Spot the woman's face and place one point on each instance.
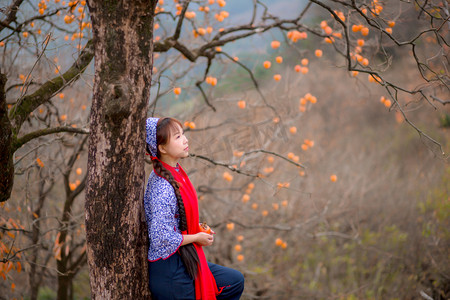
(177, 147)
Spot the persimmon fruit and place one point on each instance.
(275, 44)
(204, 228)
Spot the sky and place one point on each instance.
(241, 10)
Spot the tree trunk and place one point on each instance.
(36, 266)
(64, 281)
(6, 161)
(115, 223)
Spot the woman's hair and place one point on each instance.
(164, 129)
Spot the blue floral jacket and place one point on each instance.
(161, 212)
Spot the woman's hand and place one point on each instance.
(204, 239)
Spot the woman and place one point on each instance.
(177, 265)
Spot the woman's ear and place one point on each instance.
(161, 149)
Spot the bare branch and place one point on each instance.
(198, 84)
(38, 133)
(230, 167)
(275, 154)
(278, 227)
(443, 102)
(76, 265)
(239, 171)
(27, 82)
(255, 83)
(14, 229)
(20, 112)
(176, 35)
(11, 13)
(9, 258)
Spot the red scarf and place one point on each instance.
(205, 284)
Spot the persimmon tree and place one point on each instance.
(350, 26)
(129, 40)
(54, 244)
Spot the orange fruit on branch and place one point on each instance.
(364, 31)
(177, 91)
(241, 104)
(230, 226)
(356, 28)
(293, 130)
(245, 198)
(275, 44)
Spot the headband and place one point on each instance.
(151, 136)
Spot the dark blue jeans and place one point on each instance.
(169, 280)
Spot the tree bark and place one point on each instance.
(6, 161)
(64, 281)
(115, 223)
